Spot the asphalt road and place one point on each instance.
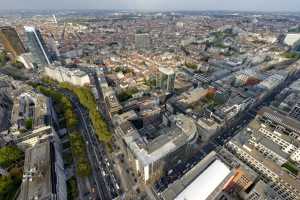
(99, 186)
(94, 152)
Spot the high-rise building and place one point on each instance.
(11, 42)
(166, 79)
(37, 46)
(156, 155)
(142, 41)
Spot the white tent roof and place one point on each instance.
(206, 182)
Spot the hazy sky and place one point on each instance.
(261, 5)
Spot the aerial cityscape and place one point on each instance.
(152, 101)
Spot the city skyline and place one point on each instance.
(154, 100)
(233, 5)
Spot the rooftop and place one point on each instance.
(27, 105)
(201, 181)
(274, 115)
(292, 38)
(242, 139)
(29, 28)
(37, 178)
(181, 130)
(263, 191)
(206, 182)
(193, 96)
(166, 70)
(269, 144)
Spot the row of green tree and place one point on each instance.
(9, 184)
(87, 99)
(72, 188)
(64, 106)
(79, 150)
(10, 155)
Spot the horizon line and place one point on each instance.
(146, 10)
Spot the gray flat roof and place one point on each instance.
(182, 130)
(273, 167)
(37, 178)
(269, 144)
(275, 115)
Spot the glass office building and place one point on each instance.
(37, 46)
(166, 79)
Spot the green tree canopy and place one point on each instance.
(87, 99)
(9, 155)
(3, 58)
(79, 150)
(29, 123)
(64, 105)
(10, 184)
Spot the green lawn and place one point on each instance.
(290, 167)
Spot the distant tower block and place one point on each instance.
(166, 79)
(37, 46)
(142, 41)
(54, 19)
(11, 42)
